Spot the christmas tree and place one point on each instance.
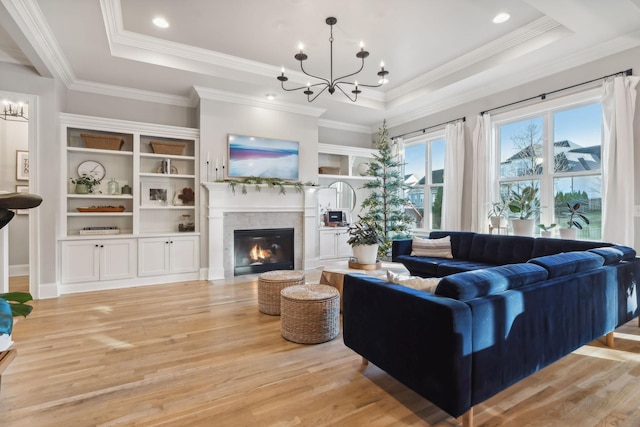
(385, 205)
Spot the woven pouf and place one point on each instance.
(269, 286)
(310, 313)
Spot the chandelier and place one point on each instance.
(331, 84)
(13, 112)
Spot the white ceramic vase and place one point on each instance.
(365, 254)
(522, 227)
(569, 233)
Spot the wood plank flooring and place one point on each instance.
(200, 354)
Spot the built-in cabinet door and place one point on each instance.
(184, 254)
(327, 244)
(153, 256)
(117, 259)
(94, 260)
(80, 261)
(343, 249)
(171, 254)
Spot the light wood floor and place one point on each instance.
(200, 354)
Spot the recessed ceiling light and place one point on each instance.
(271, 96)
(160, 22)
(501, 17)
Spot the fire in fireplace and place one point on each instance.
(260, 250)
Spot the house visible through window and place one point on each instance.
(424, 179)
(557, 151)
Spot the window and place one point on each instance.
(558, 152)
(424, 179)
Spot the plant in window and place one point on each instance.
(498, 212)
(524, 203)
(575, 216)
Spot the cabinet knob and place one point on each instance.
(97, 246)
(102, 246)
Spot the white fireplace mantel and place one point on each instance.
(221, 200)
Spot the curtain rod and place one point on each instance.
(464, 119)
(543, 96)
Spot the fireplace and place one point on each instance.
(260, 250)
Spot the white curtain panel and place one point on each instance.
(484, 175)
(453, 176)
(618, 107)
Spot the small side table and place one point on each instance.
(310, 313)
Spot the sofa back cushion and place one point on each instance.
(460, 242)
(569, 263)
(479, 283)
(610, 254)
(501, 250)
(547, 246)
(627, 253)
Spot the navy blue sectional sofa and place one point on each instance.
(505, 307)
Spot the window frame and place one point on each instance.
(546, 110)
(426, 139)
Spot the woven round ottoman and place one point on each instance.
(310, 313)
(269, 286)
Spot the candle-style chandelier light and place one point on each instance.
(331, 84)
(13, 112)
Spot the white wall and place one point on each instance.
(13, 137)
(593, 70)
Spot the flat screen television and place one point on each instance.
(263, 157)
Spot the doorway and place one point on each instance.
(17, 144)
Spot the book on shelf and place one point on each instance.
(99, 230)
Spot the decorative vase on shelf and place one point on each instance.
(82, 189)
(113, 187)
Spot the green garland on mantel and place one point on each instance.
(271, 182)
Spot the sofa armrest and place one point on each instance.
(400, 247)
(422, 340)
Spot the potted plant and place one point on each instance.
(497, 213)
(546, 229)
(364, 240)
(524, 205)
(85, 183)
(575, 216)
(12, 304)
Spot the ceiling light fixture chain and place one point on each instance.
(331, 84)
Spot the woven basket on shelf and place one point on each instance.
(173, 148)
(269, 286)
(102, 142)
(310, 313)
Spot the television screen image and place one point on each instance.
(263, 157)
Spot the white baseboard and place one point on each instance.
(19, 270)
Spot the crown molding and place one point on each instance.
(14, 56)
(125, 92)
(252, 101)
(332, 124)
(517, 38)
(29, 18)
(131, 45)
(443, 101)
(107, 124)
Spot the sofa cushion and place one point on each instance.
(420, 265)
(611, 255)
(569, 263)
(440, 248)
(448, 267)
(627, 253)
(500, 250)
(543, 246)
(427, 284)
(479, 283)
(460, 242)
